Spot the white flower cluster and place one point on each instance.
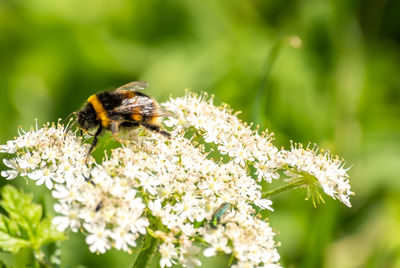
(170, 187)
(56, 157)
(328, 170)
(47, 155)
(219, 125)
(169, 179)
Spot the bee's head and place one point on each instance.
(87, 117)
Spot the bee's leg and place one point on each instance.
(114, 127)
(89, 180)
(94, 142)
(115, 130)
(157, 129)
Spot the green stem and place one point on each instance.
(140, 246)
(287, 187)
(262, 95)
(148, 251)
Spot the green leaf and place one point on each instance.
(19, 206)
(10, 236)
(47, 233)
(23, 228)
(7, 259)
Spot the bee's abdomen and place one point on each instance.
(137, 117)
(143, 113)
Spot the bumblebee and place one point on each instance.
(124, 107)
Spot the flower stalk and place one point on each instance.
(147, 252)
(295, 184)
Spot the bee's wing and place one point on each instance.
(142, 105)
(133, 86)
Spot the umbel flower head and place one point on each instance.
(169, 188)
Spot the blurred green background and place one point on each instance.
(340, 88)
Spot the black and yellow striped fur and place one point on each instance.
(123, 107)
